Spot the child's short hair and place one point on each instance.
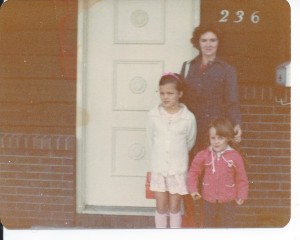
(174, 78)
(223, 128)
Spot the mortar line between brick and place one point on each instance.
(26, 156)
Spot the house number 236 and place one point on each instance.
(239, 16)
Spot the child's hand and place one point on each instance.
(239, 201)
(196, 195)
(237, 133)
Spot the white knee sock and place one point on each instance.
(175, 220)
(161, 220)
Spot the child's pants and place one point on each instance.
(219, 214)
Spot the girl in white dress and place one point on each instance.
(171, 131)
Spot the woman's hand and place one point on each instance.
(238, 133)
(196, 195)
(239, 201)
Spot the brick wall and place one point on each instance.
(37, 128)
(266, 142)
(38, 66)
(37, 180)
(37, 173)
(38, 53)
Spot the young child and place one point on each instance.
(225, 181)
(171, 132)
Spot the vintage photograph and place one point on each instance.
(145, 114)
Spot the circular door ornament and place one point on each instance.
(137, 85)
(136, 151)
(139, 18)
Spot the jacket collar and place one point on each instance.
(197, 60)
(184, 115)
(219, 155)
(228, 148)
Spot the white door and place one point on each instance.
(124, 47)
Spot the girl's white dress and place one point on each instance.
(175, 182)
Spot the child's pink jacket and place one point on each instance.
(224, 176)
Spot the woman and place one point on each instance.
(211, 89)
(211, 92)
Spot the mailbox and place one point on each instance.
(283, 74)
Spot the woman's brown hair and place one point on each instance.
(200, 30)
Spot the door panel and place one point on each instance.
(124, 47)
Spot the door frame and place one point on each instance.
(82, 117)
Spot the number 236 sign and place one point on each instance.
(239, 17)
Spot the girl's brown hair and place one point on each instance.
(224, 128)
(174, 78)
